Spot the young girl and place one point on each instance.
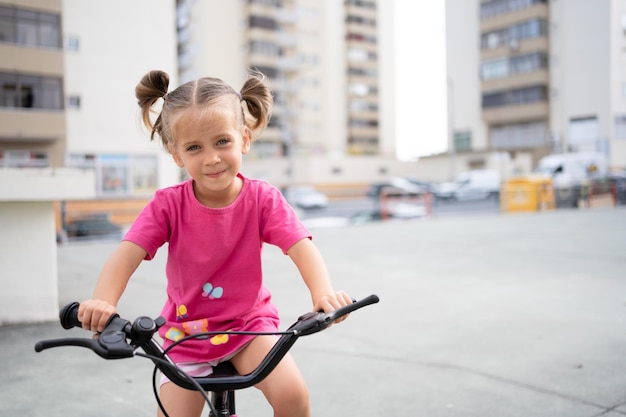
(215, 225)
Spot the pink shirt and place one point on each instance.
(213, 270)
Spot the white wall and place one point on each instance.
(28, 248)
(29, 265)
(618, 78)
(580, 65)
(119, 41)
(463, 67)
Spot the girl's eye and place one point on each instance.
(193, 148)
(223, 142)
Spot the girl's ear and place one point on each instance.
(175, 155)
(247, 140)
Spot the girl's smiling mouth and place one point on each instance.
(214, 174)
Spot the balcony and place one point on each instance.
(508, 19)
(31, 125)
(42, 61)
(517, 113)
(540, 77)
(539, 44)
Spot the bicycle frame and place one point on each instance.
(121, 339)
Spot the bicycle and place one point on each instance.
(121, 339)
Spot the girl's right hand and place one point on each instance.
(94, 314)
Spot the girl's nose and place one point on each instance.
(211, 158)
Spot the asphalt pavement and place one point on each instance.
(487, 315)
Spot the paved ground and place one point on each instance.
(499, 315)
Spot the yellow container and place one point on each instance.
(531, 193)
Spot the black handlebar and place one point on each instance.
(121, 338)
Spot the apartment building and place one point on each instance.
(67, 96)
(551, 76)
(515, 82)
(322, 62)
(32, 111)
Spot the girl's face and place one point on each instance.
(210, 145)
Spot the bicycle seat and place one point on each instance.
(224, 369)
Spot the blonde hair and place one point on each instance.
(253, 104)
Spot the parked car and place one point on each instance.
(305, 197)
(395, 211)
(93, 225)
(396, 187)
(471, 185)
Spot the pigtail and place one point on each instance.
(152, 87)
(258, 99)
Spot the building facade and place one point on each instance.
(68, 80)
(32, 102)
(331, 120)
(551, 77)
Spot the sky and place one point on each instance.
(421, 105)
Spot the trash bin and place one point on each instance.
(531, 193)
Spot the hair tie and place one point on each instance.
(165, 96)
(239, 95)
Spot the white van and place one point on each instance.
(567, 169)
(471, 185)
(568, 172)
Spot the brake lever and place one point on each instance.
(110, 344)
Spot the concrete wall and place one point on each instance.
(118, 42)
(28, 248)
(29, 264)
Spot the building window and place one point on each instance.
(362, 106)
(361, 3)
(27, 27)
(463, 140)
(512, 35)
(497, 7)
(28, 91)
(363, 72)
(73, 102)
(23, 159)
(362, 123)
(264, 48)
(361, 55)
(262, 22)
(505, 67)
(519, 136)
(120, 175)
(269, 72)
(361, 37)
(362, 90)
(72, 43)
(361, 20)
(515, 97)
(270, 3)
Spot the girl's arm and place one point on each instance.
(117, 270)
(312, 267)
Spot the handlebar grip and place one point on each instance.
(69, 316)
(342, 311)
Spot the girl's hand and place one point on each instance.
(331, 302)
(94, 314)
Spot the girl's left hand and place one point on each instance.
(333, 301)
